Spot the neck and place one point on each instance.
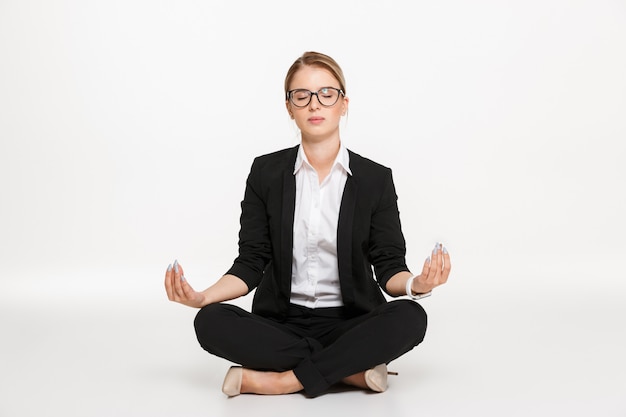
(321, 155)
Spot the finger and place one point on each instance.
(434, 268)
(185, 292)
(439, 257)
(188, 291)
(437, 265)
(168, 283)
(178, 269)
(447, 266)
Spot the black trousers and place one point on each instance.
(322, 346)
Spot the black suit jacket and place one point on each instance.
(368, 234)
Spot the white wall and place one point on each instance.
(127, 129)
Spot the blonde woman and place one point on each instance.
(320, 241)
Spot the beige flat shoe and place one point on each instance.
(232, 381)
(376, 378)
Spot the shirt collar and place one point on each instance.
(342, 159)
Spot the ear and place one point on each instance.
(289, 109)
(345, 103)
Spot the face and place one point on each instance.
(316, 122)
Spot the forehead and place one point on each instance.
(313, 78)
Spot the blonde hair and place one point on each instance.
(316, 59)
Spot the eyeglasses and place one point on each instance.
(326, 96)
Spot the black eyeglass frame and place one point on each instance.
(314, 93)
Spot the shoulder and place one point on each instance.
(373, 176)
(269, 169)
(361, 165)
(279, 155)
(277, 158)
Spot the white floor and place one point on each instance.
(508, 352)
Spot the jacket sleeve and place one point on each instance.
(387, 247)
(254, 239)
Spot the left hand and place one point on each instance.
(179, 290)
(435, 271)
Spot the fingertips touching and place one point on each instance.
(445, 254)
(178, 268)
(437, 252)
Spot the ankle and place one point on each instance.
(289, 383)
(356, 380)
(269, 383)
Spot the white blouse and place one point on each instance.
(315, 271)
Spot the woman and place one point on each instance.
(320, 236)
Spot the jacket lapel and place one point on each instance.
(286, 234)
(344, 240)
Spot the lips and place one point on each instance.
(316, 120)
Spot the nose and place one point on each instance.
(314, 104)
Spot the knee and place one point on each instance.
(207, 322)
(203, 316)
(209, 315)
(414, 317)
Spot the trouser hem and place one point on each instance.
(311, 379)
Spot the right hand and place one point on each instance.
(179, 290)
(435, 272)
